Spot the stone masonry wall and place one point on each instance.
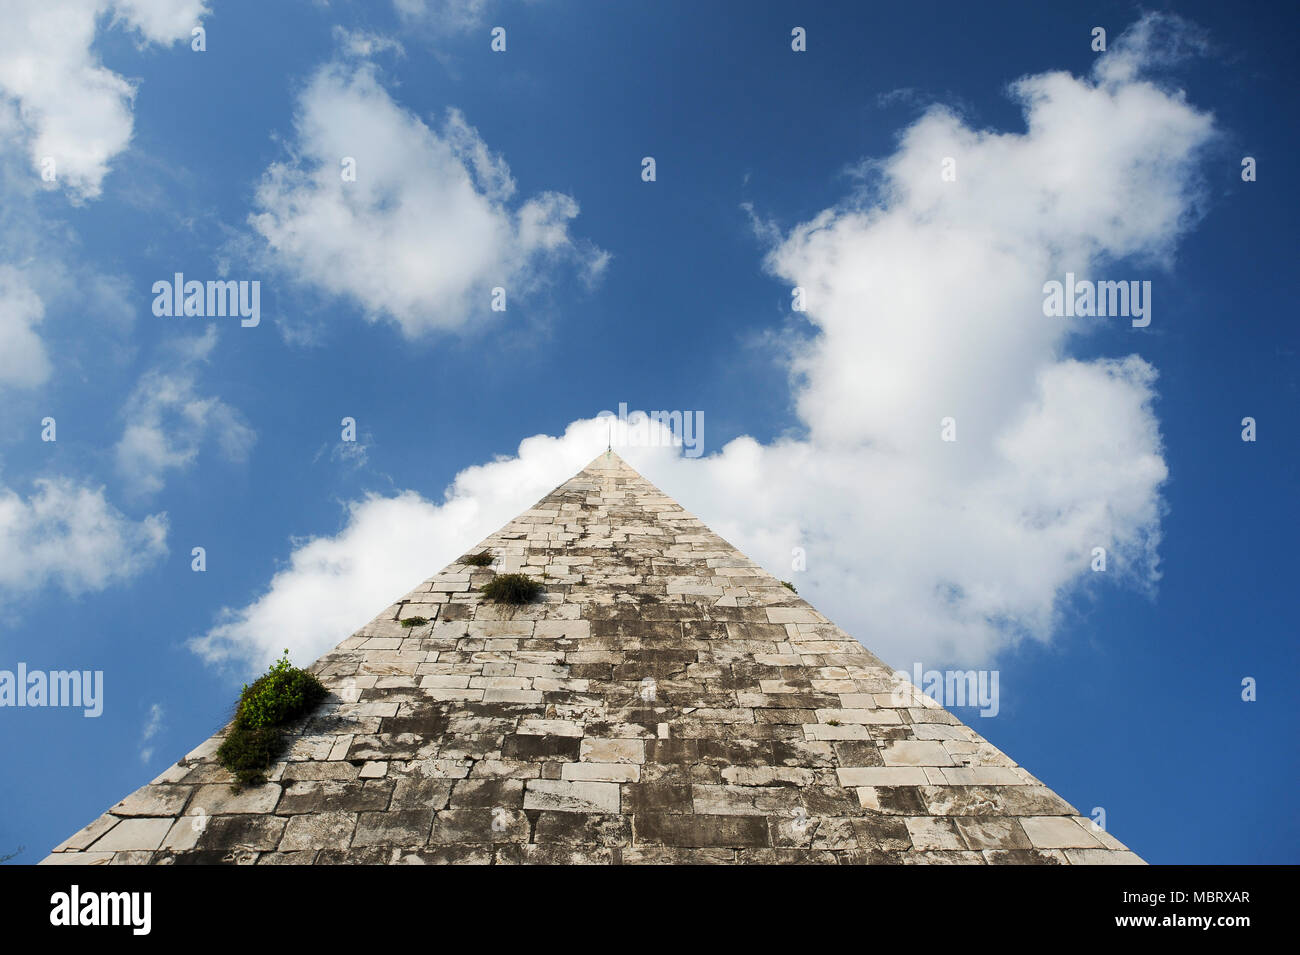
(667, 701)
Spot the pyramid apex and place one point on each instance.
(609, 460)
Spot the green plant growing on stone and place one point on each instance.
(409, 622)
(481, 559)
(786, 583)
(248, 751)
(256, 734)
(512, 589)
(278, 696)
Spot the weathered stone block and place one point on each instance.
(699, 831)
(401, 827)
(323, 830)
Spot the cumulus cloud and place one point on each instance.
(426, 230)
(47, 292)
(924, 302)
(168, 421)
(23, 361)
(333, 585)
(75, 110)
(68, 534)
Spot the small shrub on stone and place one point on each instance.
(481, 559)
(409, 622)
(256, 734)
(512, 589)
(248, 751)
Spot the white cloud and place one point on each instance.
(334, 585)
(364, 44)
(152, 727)
(168, 421)
(425, 232)
(23, 361)
(353, 455)
(925, 301)
(74, 109)
(443, 16)
(54, 306)
(68, 534)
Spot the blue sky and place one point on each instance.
(523, 169)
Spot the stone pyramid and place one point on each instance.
(666, 701)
